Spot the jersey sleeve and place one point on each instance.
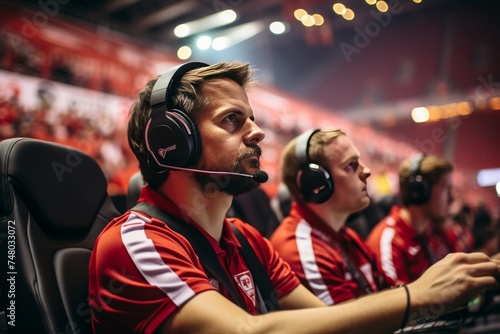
(318, 267)
(332, 273)
(389, 252)
(146, 272)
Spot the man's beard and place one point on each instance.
(232, 184)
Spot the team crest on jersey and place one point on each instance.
(413, 250)
(245, 282)
(214, 283)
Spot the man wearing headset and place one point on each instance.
(327, 181)
(411, 238)
(194, 134)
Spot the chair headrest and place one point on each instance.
(54, 181)
(135, 185)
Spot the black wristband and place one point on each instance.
(408, 302)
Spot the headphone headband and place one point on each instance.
(416, 164)
(302, 147)
(168, 81)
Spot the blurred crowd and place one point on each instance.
(69, 67)
(99, 137)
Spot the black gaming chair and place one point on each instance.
(135, 185)
(53, 205)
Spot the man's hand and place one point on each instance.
(495, 256)
(452, 282)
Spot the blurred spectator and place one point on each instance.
(4, 51)
(61, 70)
(487, 241)
(482, 218)
(460, 229)
(410, 239)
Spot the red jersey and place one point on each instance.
(141, 271)
(441, 240)
(401, 253)
(461, 238)
(318, 254)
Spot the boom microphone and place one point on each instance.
(259, 177)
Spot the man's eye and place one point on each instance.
(231, 118)
(353, 165)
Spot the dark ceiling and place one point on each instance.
(296, 62)
(155, 20)
(356, 68)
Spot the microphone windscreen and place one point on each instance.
(260, 176)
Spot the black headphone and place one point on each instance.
(418, 187)
(171, 135)
(314, 182)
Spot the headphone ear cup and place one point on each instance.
(315, 183)
(171, 136)
(418, 190)
(173, 140)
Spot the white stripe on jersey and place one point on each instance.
(386, 253)
(147, 260)
(308, 260)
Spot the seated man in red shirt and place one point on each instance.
(410, 239)
(194, 134)
(327, 181)
(460, 227)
